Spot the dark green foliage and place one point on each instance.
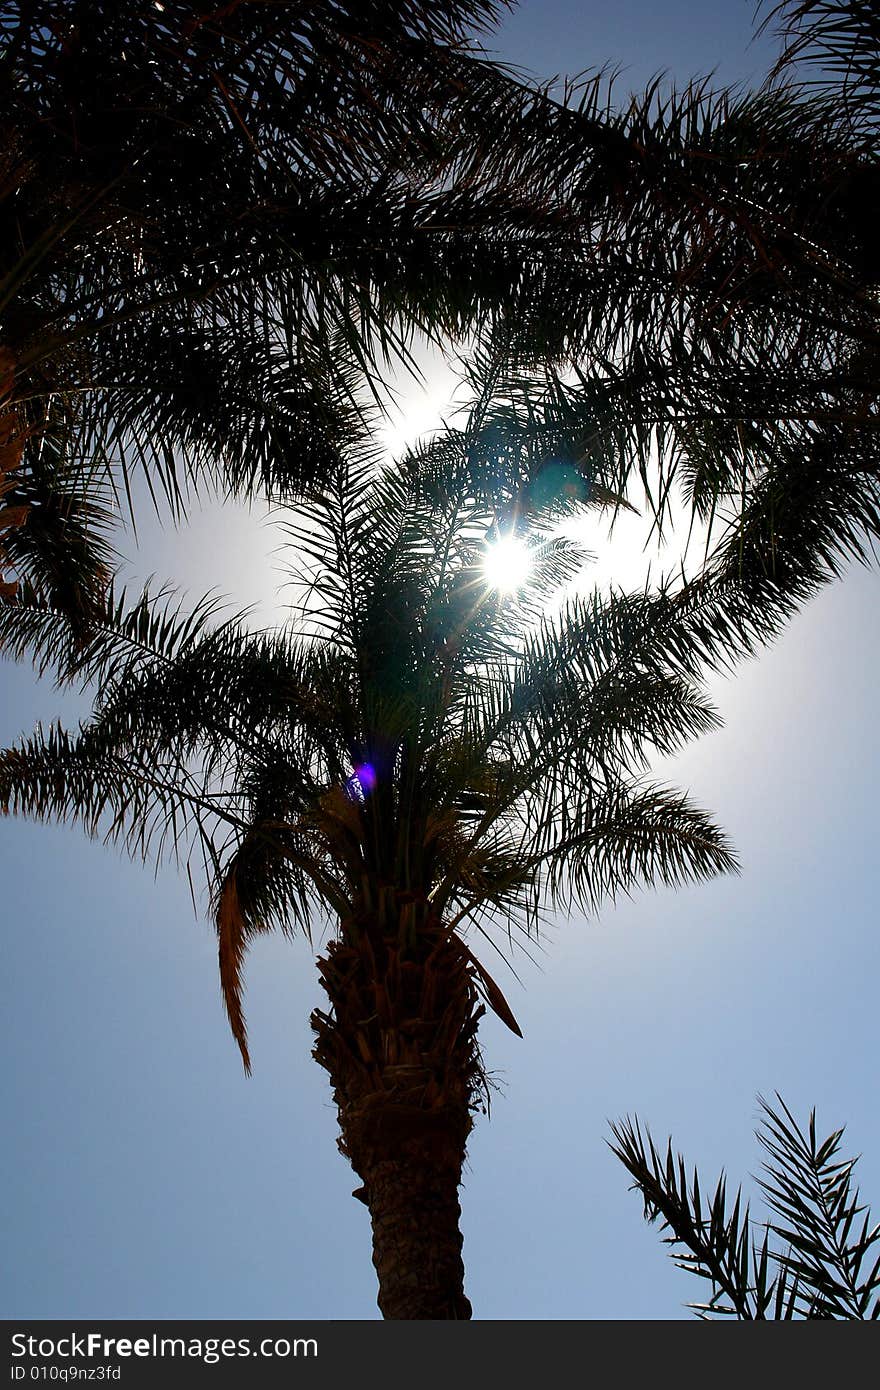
(212, 224)
(828, 1265)
(710, 302)
(210, 227)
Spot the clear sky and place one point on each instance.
(144, 1176)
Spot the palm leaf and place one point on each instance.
(826, 1267)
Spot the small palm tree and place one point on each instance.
(828, 1266)
(418, 757)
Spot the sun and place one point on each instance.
(507, 564)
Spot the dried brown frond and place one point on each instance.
(232, 933)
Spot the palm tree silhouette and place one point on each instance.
(417, 757)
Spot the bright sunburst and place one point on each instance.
(507, 564)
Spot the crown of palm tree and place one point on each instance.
(410, 730)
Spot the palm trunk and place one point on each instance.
(400, 1047)
(410, 1184)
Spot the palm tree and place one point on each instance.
(417, 758)
(823, 1269)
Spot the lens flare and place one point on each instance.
(366, 775)
(507, 564)
(359, 786)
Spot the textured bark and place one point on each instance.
(417, 1244)
(400, 1047)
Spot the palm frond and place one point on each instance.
(825, 1269)
(840, 39)
(808, 1187)
(414, 747)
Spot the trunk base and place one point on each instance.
(400, 1047)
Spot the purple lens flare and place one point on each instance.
(362, 782)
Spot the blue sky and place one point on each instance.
(145, 1176)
